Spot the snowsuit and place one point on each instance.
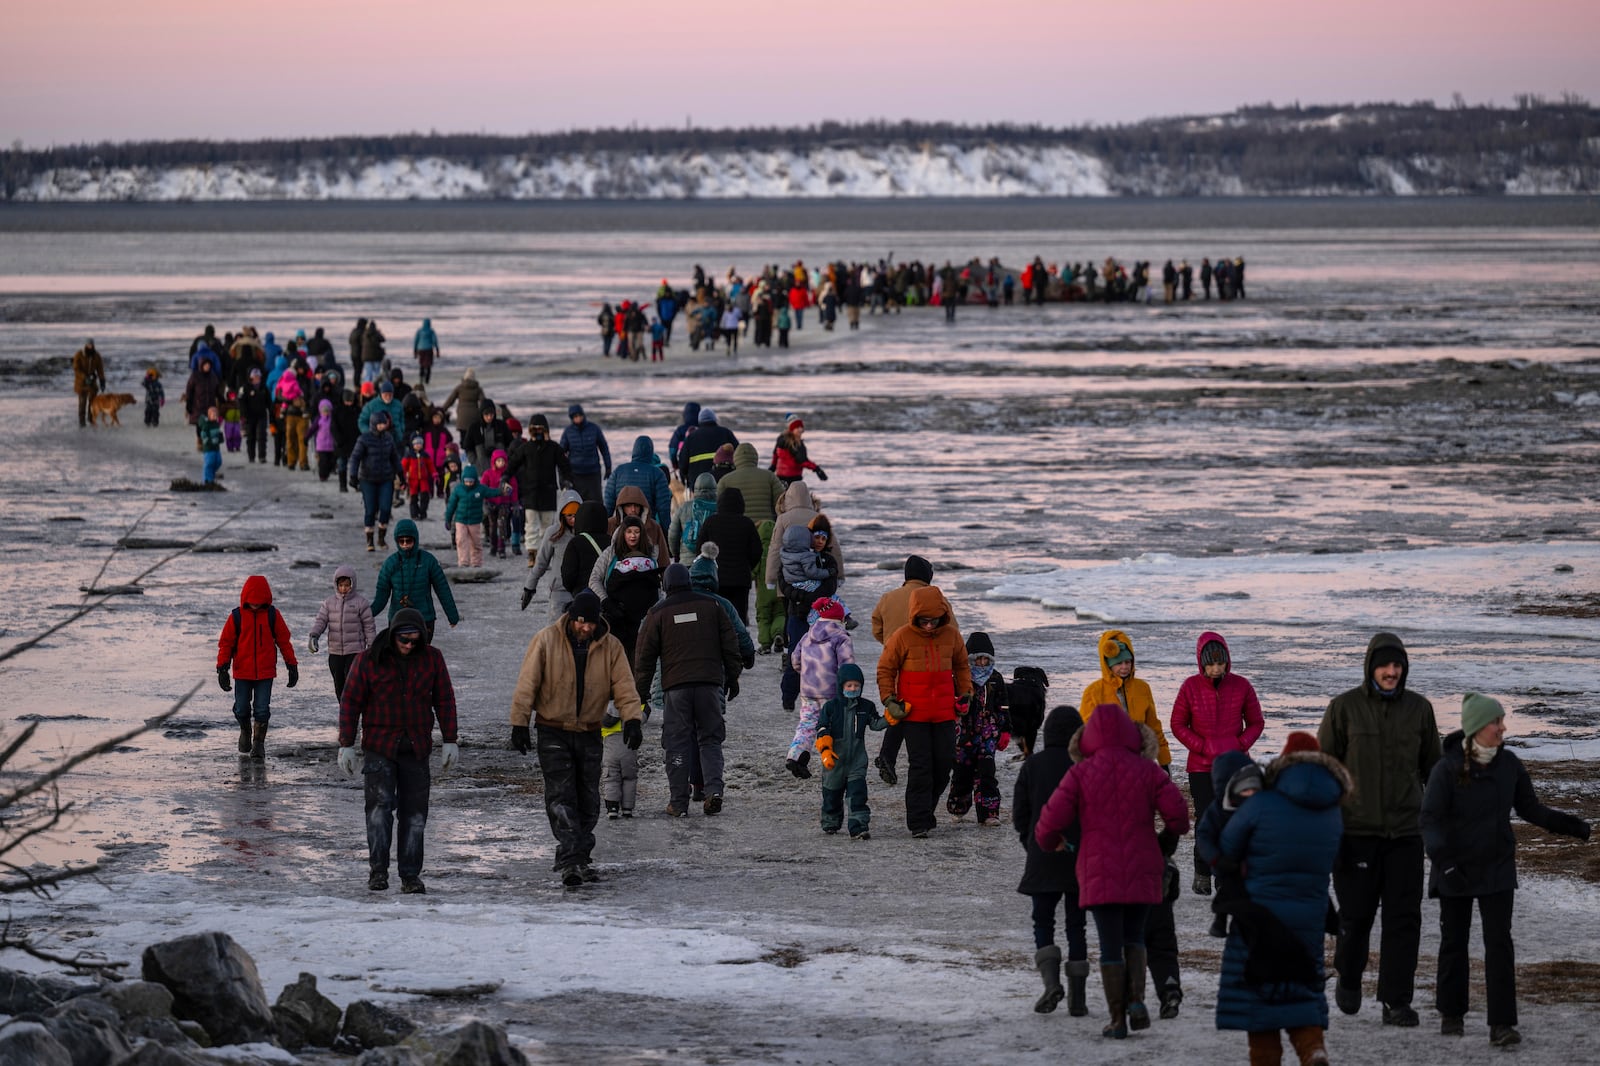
(978, 734)
(842, 726)
(347, 619)
(420, 476)
(817, 657)
(1214, 818)
(463, 513)
(770, 613)
(154, 397)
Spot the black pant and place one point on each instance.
(255, 438)
(571, 766)
(402, 784)
(693, 727)
(893, 737)
(1203, 793)
(739, 596)
(1161, 950)
(1373, 872)
(794, 630)
(339, 667)
(1074, 923)
(1499, 956)
(930, 756)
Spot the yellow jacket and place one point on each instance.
(1135, 694)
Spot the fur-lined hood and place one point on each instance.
(1304, 789)
(1109, 735)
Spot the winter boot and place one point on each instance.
(1138, 1013)
(1048, 961)
(383, 536)
(369, 541)
(613, 810)
(1114, 976)
(1078, 988)
(244, 737)
(258, 741)
(1219, 927)
(344, 481)
(798, 767)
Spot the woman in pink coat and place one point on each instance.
(1113, 793)
(1216, 711)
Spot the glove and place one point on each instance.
(520, 739)
(224, 682)
(644, 710)
(452, 756)
(830, 758)
(312, 644)
(294, 674)
(1168, 841)
(963, 704)
(822, 475)
(347, 761)
(895, 710)
(749, 660)
(1005, 742)
(632, 734)
(733, 688)
(527, 598)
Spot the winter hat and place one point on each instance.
(255, 373)
(387, 386)
(723, 456)
(469, 473)
(367, 390)
(677, 579)
(1114, 651)
(1300, 741)
(1248, 777)
(379, 418)
(469, 375)
(1389, 653)
(919, 569)
(1478, 711)
(978, 643)
(851, 672)
(795, 423)
(1214, 653)
(405, 528)
(828, 607)
(703, 571)
(707, 415)
(416, 440)
(585, 606)
(574, 410)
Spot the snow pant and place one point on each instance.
(589, 486)
(1118, 925)
(1074, 924)
(1374, 872)
(606, 340)
(469, 544)
(805, 730)
(619, 773)
(1161, 945)
(377, 497)
(83, 408)
(570, 762)
(769, 615)
(535, 523)
(425, 364)
(152, 414)
(1499, 956)
(692, 723)
(339, 667)
(1266, 1048)
(833, 800)
(783, 338)
(1203, 793)
(930, 754)
(210, 463)
(417, 505)
(400, 785)
(252, 700)
(636, 345)
(294, 444)
(232, 436)
(794, 629)
(893, 737)
(327, 463)
(852, 314)
(739, 596)
(974, 773)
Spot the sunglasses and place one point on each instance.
(927, 623)
(405, 641)
(405, 540)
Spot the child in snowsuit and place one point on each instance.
(232, 431)
(619, 768)
(1235, 778)
(247, 657)
(842, 744)
(1050, 877)
(983, 730)
(503, 516)
(346, 617)
(463, 515)
(805, 568)
(436, 440)
(420, 476)
(817, 657)
(209, 428)
(155, 397)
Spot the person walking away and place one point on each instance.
(1235, 778)
(1286, 839)
(346, 617)
(1113, 795)
(983, 730)
(463, 516)
(252, 638)
(1466, 829)
(685, 429)
(412, 578)
(692, 639)
(771, 615)
(1386, 736)
(608, 328)
(372, 353)
(572, 670)
(924, 679)
(688, 521)
(88, 378)
(730, 329)
(210, 430)
(892, 611)
(374, 464)
(783, 326)
(588, 455)
(757, 486)
(1216, 711)
(1205, 275)
(255, 413)
(789, 459)
(467, 395)
(425, 346)
(1048, 878)
(817, 657)
(699, 452)
(842, 725)
(396, 690)
(346, 434)
(155, 397)
(551, 549)
(540, 468)
(739, 550)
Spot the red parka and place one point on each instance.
(250, 647)
(1210, 719)
(926, 670)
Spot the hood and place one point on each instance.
(427, 323)
(796, 498)
(676, 578)
(730, 502)
(633, 494)
(1105, 669)
(406, 528)
(1386, 640)
(851, 672)
(566, 496)
(745, 455)
(1310, 779)
(927, 602)
(691, 414)
(644, 449)
(823, 628)
(1200, 642)
(498, 453)
(345, 572)
(1224, 767)
(383, 643)
(325, 406)
(1110, 728)
(270, 338)
(919, 569)
(592, 519)
(705, 488)
(1061, 726)
(256, 590)
(796, 539)
(280, 364)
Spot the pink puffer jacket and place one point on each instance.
(1113, 795)
(1211, 719)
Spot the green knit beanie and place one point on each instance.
(1478, 711)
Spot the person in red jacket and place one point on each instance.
(789, 459)
(251, 639)
(1216, 711)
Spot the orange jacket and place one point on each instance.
(926, 670)
(1140, 702)
(250, 648)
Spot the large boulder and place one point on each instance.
(391, 1056)
(153, 1054)
(306, 1018)
(368, 1025)
(214, 982)
(474, 1043)
(90, 1029)
(146, 1011)
(27, 993)
(28, 1043)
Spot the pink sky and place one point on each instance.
(88, 70)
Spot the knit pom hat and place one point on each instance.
(795, 423)
(1478, 711)
(704, 567)
(828, 607)
(723, 456)
(1300, 741)
(1113, 651)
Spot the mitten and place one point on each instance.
(895, 710)
(451, 756)
(223, 681)
(1168, 841)
(963, 704)
(520, 739)
(347, 761)
(312, 644)
(1005, 742)
(821, 473)
(733, 688)
(632, 734)
(294, 674)
(749, 660)
(825, 749)
(527, 598)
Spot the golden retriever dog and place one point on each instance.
(104, 407)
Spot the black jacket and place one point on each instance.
(254, 402)
(540, 467)
(700, 449)
(346, 426)
(738, 543)
(1466, 825)
(690, 635)
(577, 563)
(1046, 871)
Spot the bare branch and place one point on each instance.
(81, 963)
(16, 745)
(39, 883)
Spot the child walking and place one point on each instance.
(817, 657)
(420, 476)
(232, 430)
(619, 767)
(247, 660)
(155, 397)
(842, 725)
(1049, 878)
(346, 617)
(1235, 778)
(983, 730)
(463, 515)
(210, 430)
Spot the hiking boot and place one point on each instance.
(1348, 999)
(886, 771)
(383, 536)
(627, 812)
(378, 881)
(798, 767)
(1170, 1003)
(788, 705)
(571, 878)
(1452, 1026)
(675, 811)
(258, 741)
(588, 873)
(830, 829)
(1114, 976)
(1047, 960)
(1202, 884)
(1138, 1013)
(613, 810)
(920, 834)
(369, 541)
(1400, 1016)
(712, 805)
(1078, 988)
(1504, 1036)
(244, 737)
(413, 886)
(863, 835)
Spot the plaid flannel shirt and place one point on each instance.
(399, 698)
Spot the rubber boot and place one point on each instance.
(383, 536)
(258, 742)
(1078, 988)
(1138, 1013)
(1048, 961)
(369, 540)
(244, 737)
(1114, 976)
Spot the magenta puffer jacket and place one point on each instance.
(1113, 795)
(818, 656)
(1210, 719)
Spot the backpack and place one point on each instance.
(691, 525)
(237, 614)
(1027, 691)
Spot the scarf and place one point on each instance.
(1482, 755)
(981, 675)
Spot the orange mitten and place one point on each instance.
(895, 710)
(825, 749)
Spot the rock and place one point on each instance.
(65, 518)
(29, 1043)
(152, 543)
(368, 1025)
(234, 546)
(112, 590)
(183, 484)
(194, 1031)
(27, 993)
(444, 988)
(1563, 568)
(139, 999)
(156, 1055)
(90, 1029)
(391, 1056)
(323, 515)
(214, 982)
(305, 564)
(305, 1016)
(472, 1044)
(469, 575)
